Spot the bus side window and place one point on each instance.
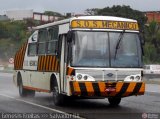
(32, 48)
(42, 38)
(52, 40)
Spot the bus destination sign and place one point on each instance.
(104, 24)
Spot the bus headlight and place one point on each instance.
(132, 78)
(137, 78)
(79, 76)
(85, 77)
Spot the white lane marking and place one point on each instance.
(6, 74)
(31, 103)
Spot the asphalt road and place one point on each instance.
(41, 106)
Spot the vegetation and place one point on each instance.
(12, 35)
(152, 45)
(51, 13)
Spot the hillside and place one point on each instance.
(12, 35)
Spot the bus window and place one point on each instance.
(52, 40)
(32, 49)
(42, 37)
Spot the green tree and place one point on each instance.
(152, 32)
(51, 13)
(150, 54)
(93, 11)
(12, 35)
(3, 30)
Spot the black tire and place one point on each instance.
(22, 91)
(114, 101)
(58, 98)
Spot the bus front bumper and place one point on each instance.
(107, 89)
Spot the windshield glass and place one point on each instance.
(91, 49)
(98, 49)
(127, 54)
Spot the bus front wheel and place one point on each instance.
(114, 101)
(58, 98)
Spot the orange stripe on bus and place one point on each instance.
(42, 63)
(89, 88)
(45, 64)
(77, 88)
(56, 63)
(102, 87)
(53, 63)
(18, 61)
(130, 88)
(142, 89)
(118, 88)
(70, 70)
(36, 89)
(48, 59)
(50, 63)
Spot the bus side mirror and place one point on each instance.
(142, 39)
(69, 36)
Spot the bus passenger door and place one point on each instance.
(30, 59)
(63, 54)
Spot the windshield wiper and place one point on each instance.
(118, 43)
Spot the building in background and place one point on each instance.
(29, 14)
(45, 18)
(153, 16)
(19, 14)
(3, 18)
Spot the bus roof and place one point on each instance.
(108, 18)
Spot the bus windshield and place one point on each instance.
(106, 49)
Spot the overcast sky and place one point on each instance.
(75, 6)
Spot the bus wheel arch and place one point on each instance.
(53, 82)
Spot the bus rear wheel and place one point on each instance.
(114, 101)
(24, 92)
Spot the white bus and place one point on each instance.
(85, 56)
